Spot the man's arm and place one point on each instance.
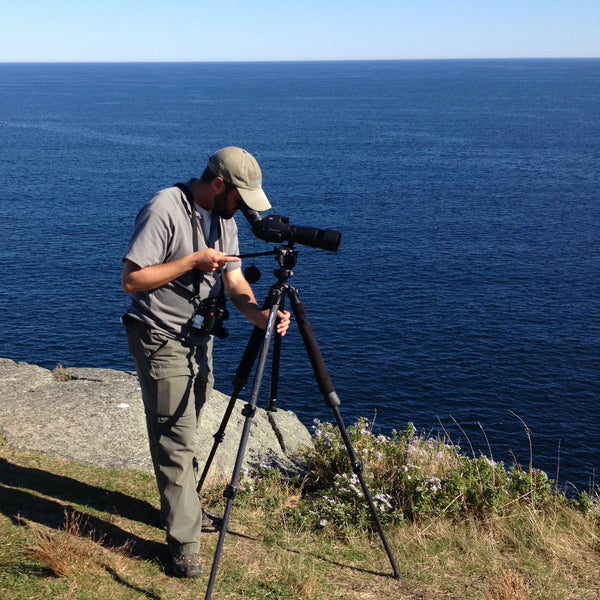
(241, 295)
(137, 279)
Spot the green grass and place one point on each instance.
(459, 528)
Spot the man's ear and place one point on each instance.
(218, 184)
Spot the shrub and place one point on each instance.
(409, 477)
(60, 374)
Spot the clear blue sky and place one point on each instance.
(234, 30)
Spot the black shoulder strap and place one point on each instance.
(187, 193)
(190, 198)
(195, 227)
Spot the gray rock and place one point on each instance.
(97, 418)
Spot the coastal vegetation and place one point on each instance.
(460, 525)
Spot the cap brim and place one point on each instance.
(255, 199)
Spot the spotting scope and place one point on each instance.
(277, 229)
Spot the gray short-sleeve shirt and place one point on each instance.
(163, 233)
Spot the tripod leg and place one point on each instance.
(219, 436)
(248, 412)
(275, 361)
(331, 399)
(239, 383)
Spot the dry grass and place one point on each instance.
(74, 550)
(509, 585)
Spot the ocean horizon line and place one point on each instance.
(301, 61)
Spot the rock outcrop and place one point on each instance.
(96, 417)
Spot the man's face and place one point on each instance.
(227, 203)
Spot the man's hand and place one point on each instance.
(136, 279)
(240, 293)
(283, 321)
(209, 260)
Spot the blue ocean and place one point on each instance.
(465, 295)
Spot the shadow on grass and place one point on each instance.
(32, 494)
(320, 557)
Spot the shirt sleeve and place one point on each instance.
(231, 245)
(150, 239)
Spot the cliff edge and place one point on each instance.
(96, 417)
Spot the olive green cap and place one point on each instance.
(239, 168)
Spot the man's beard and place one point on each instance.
(219, 207)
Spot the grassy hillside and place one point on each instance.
(460, 528)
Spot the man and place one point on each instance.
(183, 251)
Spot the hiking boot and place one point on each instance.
(186, 565)
(211, 523)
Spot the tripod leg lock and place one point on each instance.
(357, 467)
(230, 492)
(249, 411)
(331, 399)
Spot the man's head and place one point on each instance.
(240, 170)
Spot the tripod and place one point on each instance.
(258, 345)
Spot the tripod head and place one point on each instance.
(286, 257)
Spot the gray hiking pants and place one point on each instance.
(176, 380)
